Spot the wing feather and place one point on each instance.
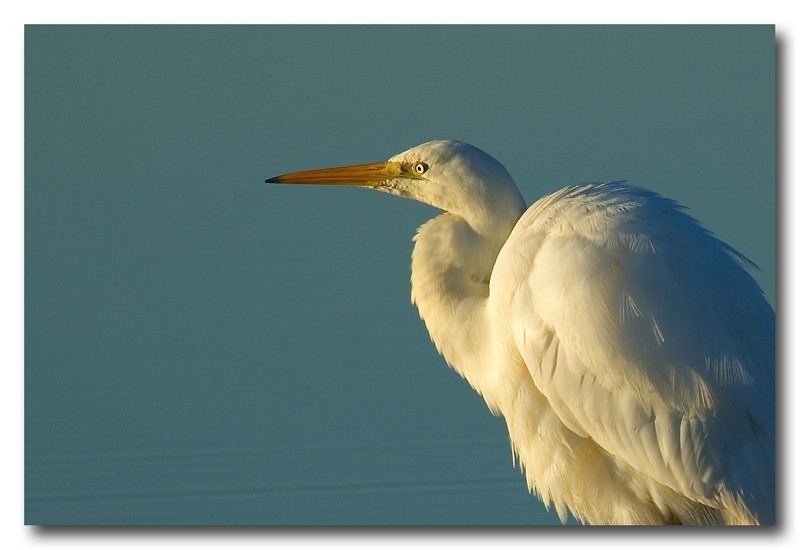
(646, 334)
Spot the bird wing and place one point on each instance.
(646, 334)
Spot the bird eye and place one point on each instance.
(420, 168)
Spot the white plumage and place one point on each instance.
(629, 351)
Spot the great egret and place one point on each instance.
(630, 353)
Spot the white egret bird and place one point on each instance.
(629, 351)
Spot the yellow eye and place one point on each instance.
(420, 168)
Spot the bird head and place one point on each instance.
(450, 175)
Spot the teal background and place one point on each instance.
(201, 347)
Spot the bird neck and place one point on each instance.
(451, 267)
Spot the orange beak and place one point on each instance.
(362, 175)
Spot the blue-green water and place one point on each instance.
(204, 348)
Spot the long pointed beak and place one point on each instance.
(364, 175)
